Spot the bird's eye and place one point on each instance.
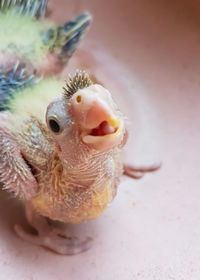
(54, 126)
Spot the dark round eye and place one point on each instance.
(54, 126)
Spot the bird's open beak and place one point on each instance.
(101, 125)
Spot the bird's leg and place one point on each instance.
(139, 172)
(49, 236)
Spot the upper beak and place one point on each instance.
(95, 112)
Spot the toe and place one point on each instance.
(68, 246)
(27, 236)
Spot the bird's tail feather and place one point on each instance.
(12, 81)
(33, 8)
(64, 39)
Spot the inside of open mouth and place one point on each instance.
(103, 129)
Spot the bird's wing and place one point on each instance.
(12, 81)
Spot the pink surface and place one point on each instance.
(147, 53)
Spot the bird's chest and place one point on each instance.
(77, 204)
(82, 195)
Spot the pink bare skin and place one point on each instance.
(77, 170)
(14, 172)
(50, 65)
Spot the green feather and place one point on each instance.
(32, 40)
(33, 101)
(22, 35)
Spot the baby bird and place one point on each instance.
(61, 154)
(60, 148)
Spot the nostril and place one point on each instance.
(78, 98)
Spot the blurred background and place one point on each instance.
(147, 53)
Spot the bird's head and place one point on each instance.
(84, 118)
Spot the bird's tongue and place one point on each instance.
(103, 129)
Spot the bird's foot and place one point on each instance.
(51, 237)
(139, 172)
